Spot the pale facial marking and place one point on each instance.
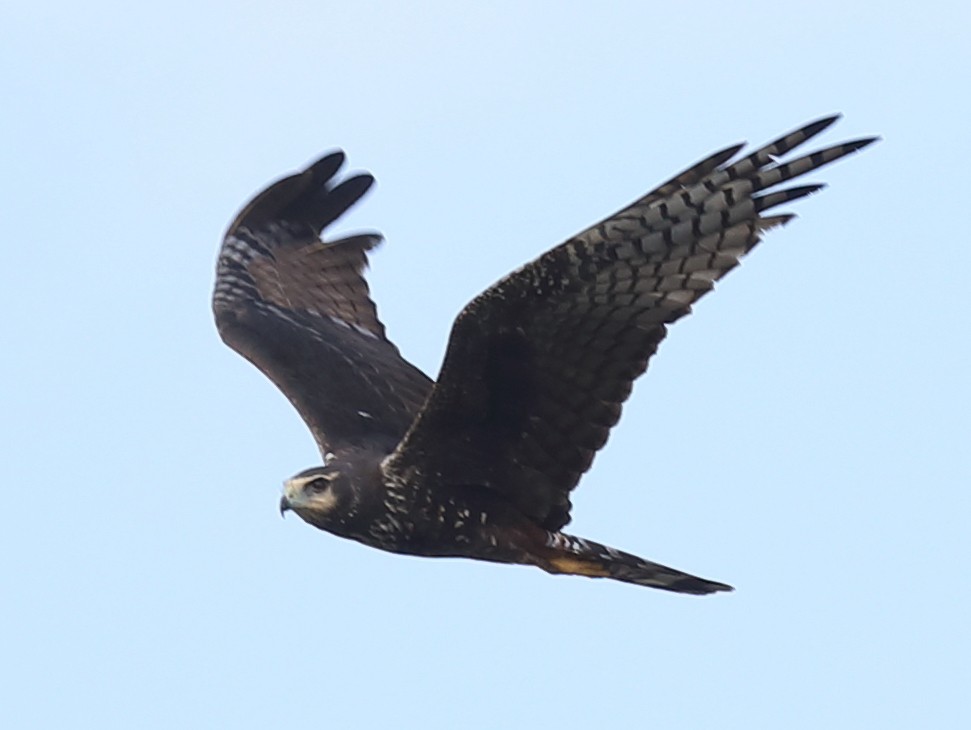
(299, 497)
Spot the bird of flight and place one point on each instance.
(481, 463)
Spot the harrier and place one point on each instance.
(481, 463)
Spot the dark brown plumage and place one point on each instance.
(481, 464)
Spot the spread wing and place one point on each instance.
(538, 366)
(299, 309)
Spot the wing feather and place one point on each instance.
(539, 365)
(299, 309)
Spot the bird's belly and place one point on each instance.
(451, 528)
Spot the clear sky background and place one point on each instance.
(803, 436)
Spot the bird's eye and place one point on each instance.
(319, 484)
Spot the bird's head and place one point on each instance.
(316, 494)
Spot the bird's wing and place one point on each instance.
(538, 366)
(299, 309)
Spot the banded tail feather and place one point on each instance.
(573, 555)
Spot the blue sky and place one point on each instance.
(803, 436)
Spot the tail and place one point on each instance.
(576, 556)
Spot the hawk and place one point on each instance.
(481, 463)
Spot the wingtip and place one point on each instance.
(859, 144)
(801, 191)
(820, 125)
(325, 168)
(355, 186)
(779, 220)
(335, 158)
(733, 150)
(366, 240)
(780, 197)
(725, 156)
(721, 157)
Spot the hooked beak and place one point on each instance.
(284, 506)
